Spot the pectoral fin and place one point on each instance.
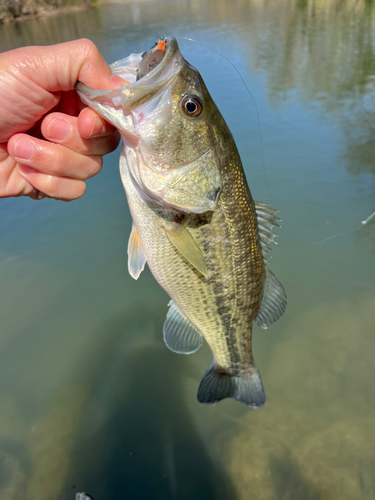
(136, 256)
(186, 245)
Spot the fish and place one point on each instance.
(195, 223)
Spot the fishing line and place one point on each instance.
(336, 235)
(349, 231)
(255, 105)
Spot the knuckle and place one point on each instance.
(89, 47)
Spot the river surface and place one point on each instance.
(91, 399)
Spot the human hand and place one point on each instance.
(49, 141)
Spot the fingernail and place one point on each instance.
(97, 127)
(24, 169)
(24, 149)
(58, 129)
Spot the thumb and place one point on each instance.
(58, 67)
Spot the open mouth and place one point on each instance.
(156, 61)
(147, 75)
(152, 57)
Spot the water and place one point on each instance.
(91, 399)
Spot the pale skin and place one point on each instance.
(50, 143)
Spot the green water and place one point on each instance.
(90, 398)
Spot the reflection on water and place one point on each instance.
(91, 399)
(324, 54)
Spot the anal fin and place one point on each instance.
(180, 335)
(273, 303)
(136, 256)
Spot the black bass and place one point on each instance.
(195, 222)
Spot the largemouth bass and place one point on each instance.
(195, 222)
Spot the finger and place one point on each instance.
(36, 75)
(62, 129)
(53, 159)
(90, 124)
(59, 188)
(59, 67)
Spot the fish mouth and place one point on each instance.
(155, 60)
(156, 69)
(146, 75)
(117, 105)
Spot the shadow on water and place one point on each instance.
(144, 444)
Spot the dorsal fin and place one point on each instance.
(267, 219)
(274, 298)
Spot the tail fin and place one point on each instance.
(217, 385)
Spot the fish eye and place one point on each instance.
(191, 106)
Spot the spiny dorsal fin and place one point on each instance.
(180, 237)
(136, 256)
(180, 335)
(273, 302)
(267, 219)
